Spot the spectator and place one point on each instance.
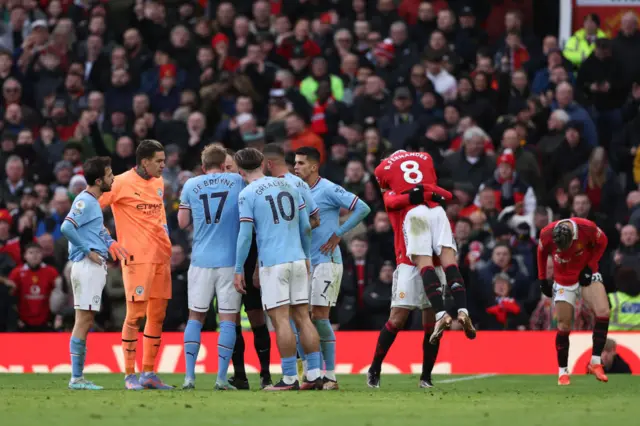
(177, 312)
(572, 153)
(582, 42)
(60, 206)
(564, 100)
(38, 290)
(300, 135)
(626, 45)
(471, 164)
(400, 125)
(504, 312)
(319, 72)
(377, 297)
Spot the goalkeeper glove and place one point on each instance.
(546, 288)
(416, 195)
(118, 252)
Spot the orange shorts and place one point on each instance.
(143, 281)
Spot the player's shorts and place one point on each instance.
(566, 293)
(426, 231)
(325, 284)
(284, 284)
(204, 283)
(88, 280)
(144, 281)
(408, 289)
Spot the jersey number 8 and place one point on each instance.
(412, 173)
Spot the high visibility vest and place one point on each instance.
(625, 312)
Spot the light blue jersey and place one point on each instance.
(273, 205)
(213, 201)
(90, 234)
(305, 192)
(330, 198)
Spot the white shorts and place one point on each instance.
(566, 293)
(87, 281)
(204, 283)
(426, 231)
(325, 284)
(408, 289)
(284, 284)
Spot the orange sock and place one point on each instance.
(130, 329)
(156, 311)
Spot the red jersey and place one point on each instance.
(34, 288)
(404, 170)
(589, 243)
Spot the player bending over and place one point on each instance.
(272, 205)
(141, 225)
(89, 246)
(408, 291)
(427, 231)
(255, 314)
(326, 258)
(211, 200)
(576, 246)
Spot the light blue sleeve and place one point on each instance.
(359, 209)
(312, 207)
(245, 206)
(106, 236)
(305, 229)
(70, 231)
(185, 202)
(243, 245)
(83, 211)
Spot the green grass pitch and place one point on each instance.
(44, 400)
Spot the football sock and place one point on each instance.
(429, 353)
(289, 375)
(599, 338)
(313, 366)
(238, 355)
(226, 341)
(191, 346)
(298, 345)
(135, 312)
(456, 284)
(77, 349)
(432, 287)
(562, 348)
(262, 344)
(152, 333)
(327, 346)
(385, 340)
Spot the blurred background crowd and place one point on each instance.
(523, 130)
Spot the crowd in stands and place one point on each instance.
(523, 130)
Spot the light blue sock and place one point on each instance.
(77, 349)
(314, 363)
(226, 342)
(191, 346)
(327, 343)
(289, 367)
(298, 345)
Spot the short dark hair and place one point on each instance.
(32, 245)
(310, 152)
(248, 159)
(95, 168)
(273, 150)
(147, 149)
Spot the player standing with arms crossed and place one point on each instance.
(89, 246)
(211, 200)
(427, 231)
(326, 258)
(408, 291)
(576, 246)
(141, 225)
(272, 205)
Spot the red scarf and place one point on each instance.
(318, 118)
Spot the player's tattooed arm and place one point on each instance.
(142, 173)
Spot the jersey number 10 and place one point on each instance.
(279, 198)
(207, 210)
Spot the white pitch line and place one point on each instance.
(462, 379)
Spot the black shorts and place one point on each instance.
(252, 299)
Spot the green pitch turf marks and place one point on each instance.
(43, 400)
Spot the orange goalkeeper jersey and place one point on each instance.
(141, 223)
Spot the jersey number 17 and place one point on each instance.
(207, 210)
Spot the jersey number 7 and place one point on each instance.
(207, 211)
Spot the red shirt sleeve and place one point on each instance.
(380, 176)
(599, 242)
(393, 201)
(544, 247)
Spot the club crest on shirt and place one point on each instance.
(96, 300)
(139, 290)
(79, 205)
(159, 192)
